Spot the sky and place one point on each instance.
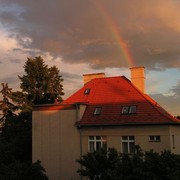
(89, 36)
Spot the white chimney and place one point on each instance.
(89, 77)
(138, 78)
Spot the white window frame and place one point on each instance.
(128, 141)
(154, 138)
(96, 139)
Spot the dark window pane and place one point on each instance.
(131, 147)
(125, 147)
(98, 137)
(131, 137)
(98, 146)
(91, 146)
(151, 138)
(132, 109)
(124, 137)
(87, 91)
(157, 138)
(104, 145)
(91, 137)
(125, 110)
(97, 111)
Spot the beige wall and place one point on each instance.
(141, 134)
(56, 143)
(175, 139)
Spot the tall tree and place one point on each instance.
(40, 84)
(6, 106)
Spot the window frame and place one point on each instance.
(95, 140)
(128, 140)
(128, 109)
(87, 91)
(154, 138)
(97, 111)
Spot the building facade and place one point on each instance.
(106, 112)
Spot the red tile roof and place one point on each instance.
(112, 94)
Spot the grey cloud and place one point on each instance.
(12, 80)
(176, 90)
(166, 101)
(171, 102)
(70, 77)
(80, 31)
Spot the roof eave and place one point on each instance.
(127, 124)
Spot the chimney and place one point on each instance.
(89, 77)
(138, 78)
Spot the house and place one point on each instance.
(105, 112)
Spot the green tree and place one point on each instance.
(39, 85)
(98, 164)
(6, 106)
(111, 165)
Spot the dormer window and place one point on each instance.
(128, 110)
(87, 91)
(97, 111)
(132, 110)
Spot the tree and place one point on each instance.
(6, 106)
(40, 84)
(111, 165)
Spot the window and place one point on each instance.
(87, 91)
(97, 142)
(128, 110)
(128, 144)
(154, 138)
(97, 111)
(125, 109)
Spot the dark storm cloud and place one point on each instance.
(79, 31)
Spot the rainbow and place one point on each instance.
(115, 33)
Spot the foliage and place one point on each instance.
(7, 107)
(16, 150)
(40, 84)
(17, 132)
(111, 165)
(22, 171)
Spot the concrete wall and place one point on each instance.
(56, 143)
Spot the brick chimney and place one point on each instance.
(138, 78)
(89, 77)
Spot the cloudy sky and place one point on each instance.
(87, 36)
